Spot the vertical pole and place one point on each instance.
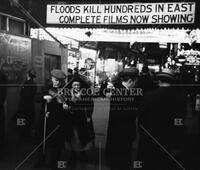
(95, 68)
(45, 125)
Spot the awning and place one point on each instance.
(157, 35)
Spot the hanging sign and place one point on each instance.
(117, 14)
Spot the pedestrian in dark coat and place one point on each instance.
(146, 80)
(26, 108)
(103, 87)
(3, 83)
(80, 131)
(121, 131)
(161, 124)
(54, 111)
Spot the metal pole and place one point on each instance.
(45, 125)
(95, 68)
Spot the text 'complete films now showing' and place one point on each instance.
(147, 13)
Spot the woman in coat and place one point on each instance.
(79, 130)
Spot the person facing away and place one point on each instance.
(26, 107)
(146, 80)
(161, 123)
(121, 132)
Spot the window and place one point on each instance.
(3, 22)
(16, 27)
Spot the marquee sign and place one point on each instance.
(122, 14)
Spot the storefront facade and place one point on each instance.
(134, 33)
(144, 32)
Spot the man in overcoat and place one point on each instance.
(124, 103)
(52, 121)
(26, 107)
(162, 124)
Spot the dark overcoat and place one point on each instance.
(55, 122)
(80, 119)
(121, 130)
(26, 107)
(161, 126)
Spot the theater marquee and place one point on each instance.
(116, 14)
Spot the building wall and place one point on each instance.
(15, 60)
(35, 59)
(42, 51)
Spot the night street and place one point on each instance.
(99, 85)
(19, 152)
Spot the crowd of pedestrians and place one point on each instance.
(140, 103)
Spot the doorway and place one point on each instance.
(51, 62)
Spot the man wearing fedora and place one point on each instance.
(161, 123)
(121, 130)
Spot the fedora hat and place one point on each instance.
(166, 73)
(132, 71)
(59, 74)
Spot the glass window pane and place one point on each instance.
(3, 23)
(16, 27)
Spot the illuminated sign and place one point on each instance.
(189, 52)
(114, 14)
(193, 60)
(192, 57)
